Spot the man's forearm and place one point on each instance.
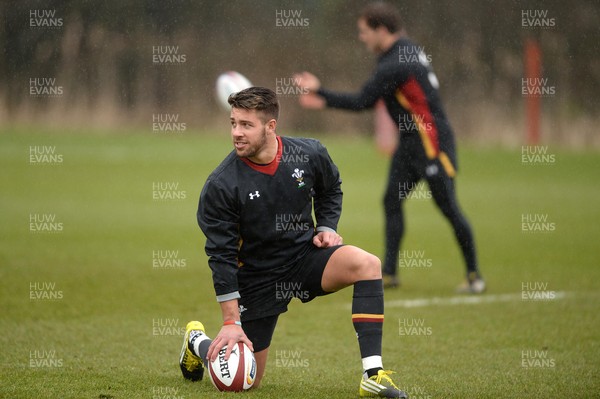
(328, 209)
(230, 310)
(348, 101)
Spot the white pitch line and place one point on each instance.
(466, 300)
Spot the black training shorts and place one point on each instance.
(261, 303)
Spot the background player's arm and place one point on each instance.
(376, 87)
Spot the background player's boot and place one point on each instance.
(191, 365)
(390, 281)
(473, 284)
(380, 385)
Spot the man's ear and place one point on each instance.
(382, 31)
(271, 125)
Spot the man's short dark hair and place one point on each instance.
(382, 14)
(261, 99)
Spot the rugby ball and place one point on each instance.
(237, 373)
(228, 83)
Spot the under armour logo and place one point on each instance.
(242, 308)
(256, 194)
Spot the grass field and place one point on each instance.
(87, 311)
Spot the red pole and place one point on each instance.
(533, 71)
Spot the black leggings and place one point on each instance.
(404, 175)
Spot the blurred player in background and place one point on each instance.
(264, 248)
(404, 80)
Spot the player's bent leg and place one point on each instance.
(261, 363)
(260, 332)
(347, 265)
(350, 265)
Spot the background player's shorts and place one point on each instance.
(260, 304)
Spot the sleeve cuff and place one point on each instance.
(325, 228)
(323, 93)
(228, 297)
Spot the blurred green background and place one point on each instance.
(115, 329)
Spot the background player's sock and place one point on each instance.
(367, 318)
(199, 343)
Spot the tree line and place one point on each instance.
(115, 63)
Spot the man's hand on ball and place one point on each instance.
(228, 336)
